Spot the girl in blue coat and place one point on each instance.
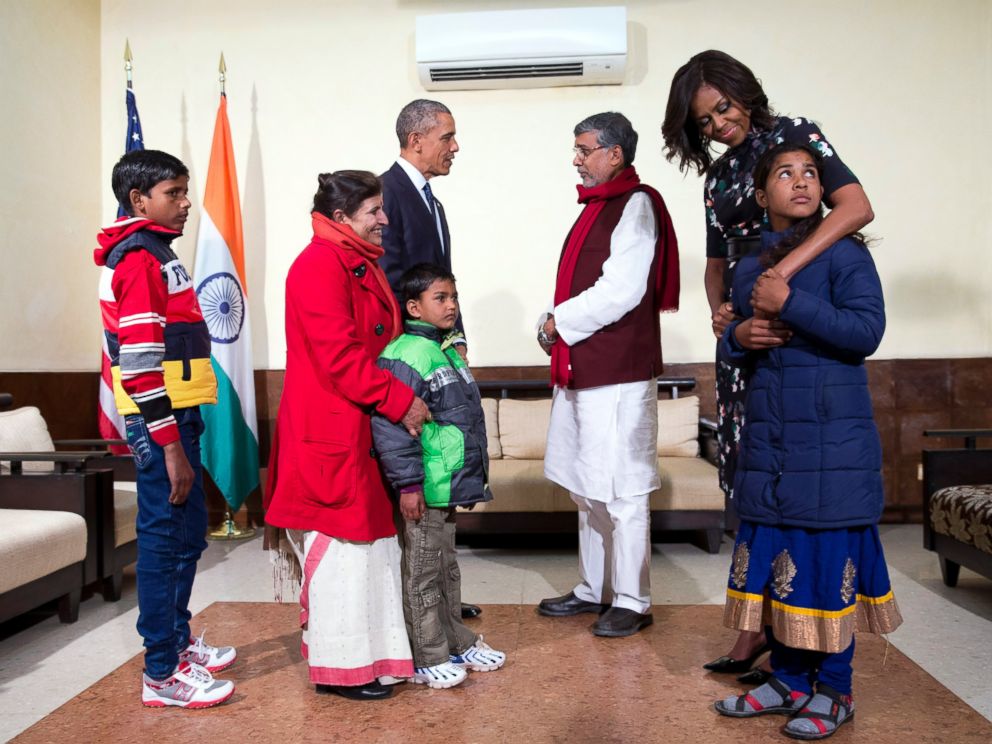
(808, 562)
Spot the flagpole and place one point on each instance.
(127, 62)
(228, 529)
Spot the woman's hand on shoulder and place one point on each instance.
(770, 292)
(723, 317)
(762, 333)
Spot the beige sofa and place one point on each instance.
(689, 500)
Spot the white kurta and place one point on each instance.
(602, 442)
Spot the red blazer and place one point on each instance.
(323, 472)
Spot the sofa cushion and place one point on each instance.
(965, 514)
(37, 543)
(523, 428)
(678, 427)
(125, 512)
(520, 486)
(24, 430)
(687, 483)
(489, 409)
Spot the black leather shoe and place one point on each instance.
(372, 691)
(568, 605)
(756, 677)
(727, 665)
(617, 622)
(470, 610)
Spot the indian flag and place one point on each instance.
(229, 443)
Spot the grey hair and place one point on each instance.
(418, 116)
(611, 129)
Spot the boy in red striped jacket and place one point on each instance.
(160, 362)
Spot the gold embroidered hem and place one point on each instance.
(830, 631)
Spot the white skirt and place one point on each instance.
(603, 441)
(351, 610)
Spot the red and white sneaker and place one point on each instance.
(211, 658)
(190, 686)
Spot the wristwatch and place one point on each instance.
(545, 339)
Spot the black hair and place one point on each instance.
(142, 170)
(612, 129)
(417, 279)
(732, 78)
(344, 190)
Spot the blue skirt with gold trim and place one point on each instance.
(816, 588)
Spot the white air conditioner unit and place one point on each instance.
(522, 48)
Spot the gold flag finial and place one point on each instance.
(127, 61)
(223, 77)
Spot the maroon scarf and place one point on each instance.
(342, 235)
(666, 284)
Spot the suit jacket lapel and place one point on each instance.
(418, 209)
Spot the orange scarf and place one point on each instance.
(344, 237)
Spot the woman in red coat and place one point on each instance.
(324, 486)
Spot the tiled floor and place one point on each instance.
(947, 632)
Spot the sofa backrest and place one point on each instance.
(518, 429)
(24, 430)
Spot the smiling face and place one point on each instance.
(792, 191)
(367, 221)
(437, 305)
(595, 163)
(718, 117)
(166, 203)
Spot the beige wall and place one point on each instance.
(50, 173)
(901, 88)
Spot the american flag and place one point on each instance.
(111, 423)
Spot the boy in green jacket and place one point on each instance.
(446, 467)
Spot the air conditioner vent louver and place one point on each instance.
(507, 72)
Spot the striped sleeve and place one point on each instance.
(142, 298)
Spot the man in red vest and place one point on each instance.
(618, 270)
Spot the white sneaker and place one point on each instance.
(479, 657)
(211, 658)
(190, 686)
(440, 676)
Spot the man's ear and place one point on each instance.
(413, 141)
(413, 308)
(761, 197)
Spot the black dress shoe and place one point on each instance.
(372, 691)
(727, 665)
(470, 610)
(756, 677)
(617, 622)
(568, 605)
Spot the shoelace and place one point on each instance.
(199, 674)
(200, 647)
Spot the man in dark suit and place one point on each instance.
(417, 230)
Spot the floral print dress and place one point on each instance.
(732, 212)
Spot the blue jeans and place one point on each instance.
(170, 541)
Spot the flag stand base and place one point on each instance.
(228, 530)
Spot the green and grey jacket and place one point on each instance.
(450, 459)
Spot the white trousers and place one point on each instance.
(615, 552)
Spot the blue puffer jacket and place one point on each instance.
(810, 455)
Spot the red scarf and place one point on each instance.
(343, 236)
(666, 284)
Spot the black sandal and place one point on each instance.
(792, 701)
(841, 711)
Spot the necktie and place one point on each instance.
(430, 200)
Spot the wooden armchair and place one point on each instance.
(957, 504)
(37, 476)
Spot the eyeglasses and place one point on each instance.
(584, 152)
